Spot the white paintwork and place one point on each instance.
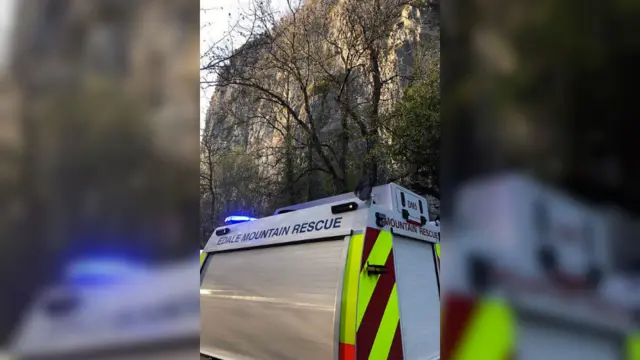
(324, 201)
(318, 217)
(418, 298)
(389, 196)
(397, 225)
(502, 209)
(385, 199)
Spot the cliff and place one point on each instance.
(312, 97)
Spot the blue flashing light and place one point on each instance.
(235, 219)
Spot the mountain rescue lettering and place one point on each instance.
(402, 225)
(305, 227)
(319, 225)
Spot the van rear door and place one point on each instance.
(418, 297)
(273, 303)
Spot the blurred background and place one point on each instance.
(99, 145)
(539, 180)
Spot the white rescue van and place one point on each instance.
(338, 278)
(131, 313)
(534, 275)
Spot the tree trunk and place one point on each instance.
(344, 141)
(289, 170)
(373, 136)
(309, 166)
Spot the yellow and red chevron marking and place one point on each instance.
(438, 254)
(370, 317)
(378, 335)
(476, 329)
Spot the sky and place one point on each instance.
(7, 15)
(215, 19)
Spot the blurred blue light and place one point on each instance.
(234, 219)
(99, 271)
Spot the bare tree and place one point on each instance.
(310, 96)
(275, 66)
(367, 35)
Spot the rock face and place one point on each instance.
(415, 29)
(147, 48)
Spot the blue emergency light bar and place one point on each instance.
(234, 219)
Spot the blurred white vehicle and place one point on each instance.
(114, 310)
(546, 274)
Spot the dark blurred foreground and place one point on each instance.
(100, 143)
(540, 186)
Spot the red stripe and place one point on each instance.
(396, 346)
(370, 237)
(347, 352)
(458, 309)
(412, 222)
(375, 310)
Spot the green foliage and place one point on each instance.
(238, 187)
(415, 131)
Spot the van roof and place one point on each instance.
(405, 212)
